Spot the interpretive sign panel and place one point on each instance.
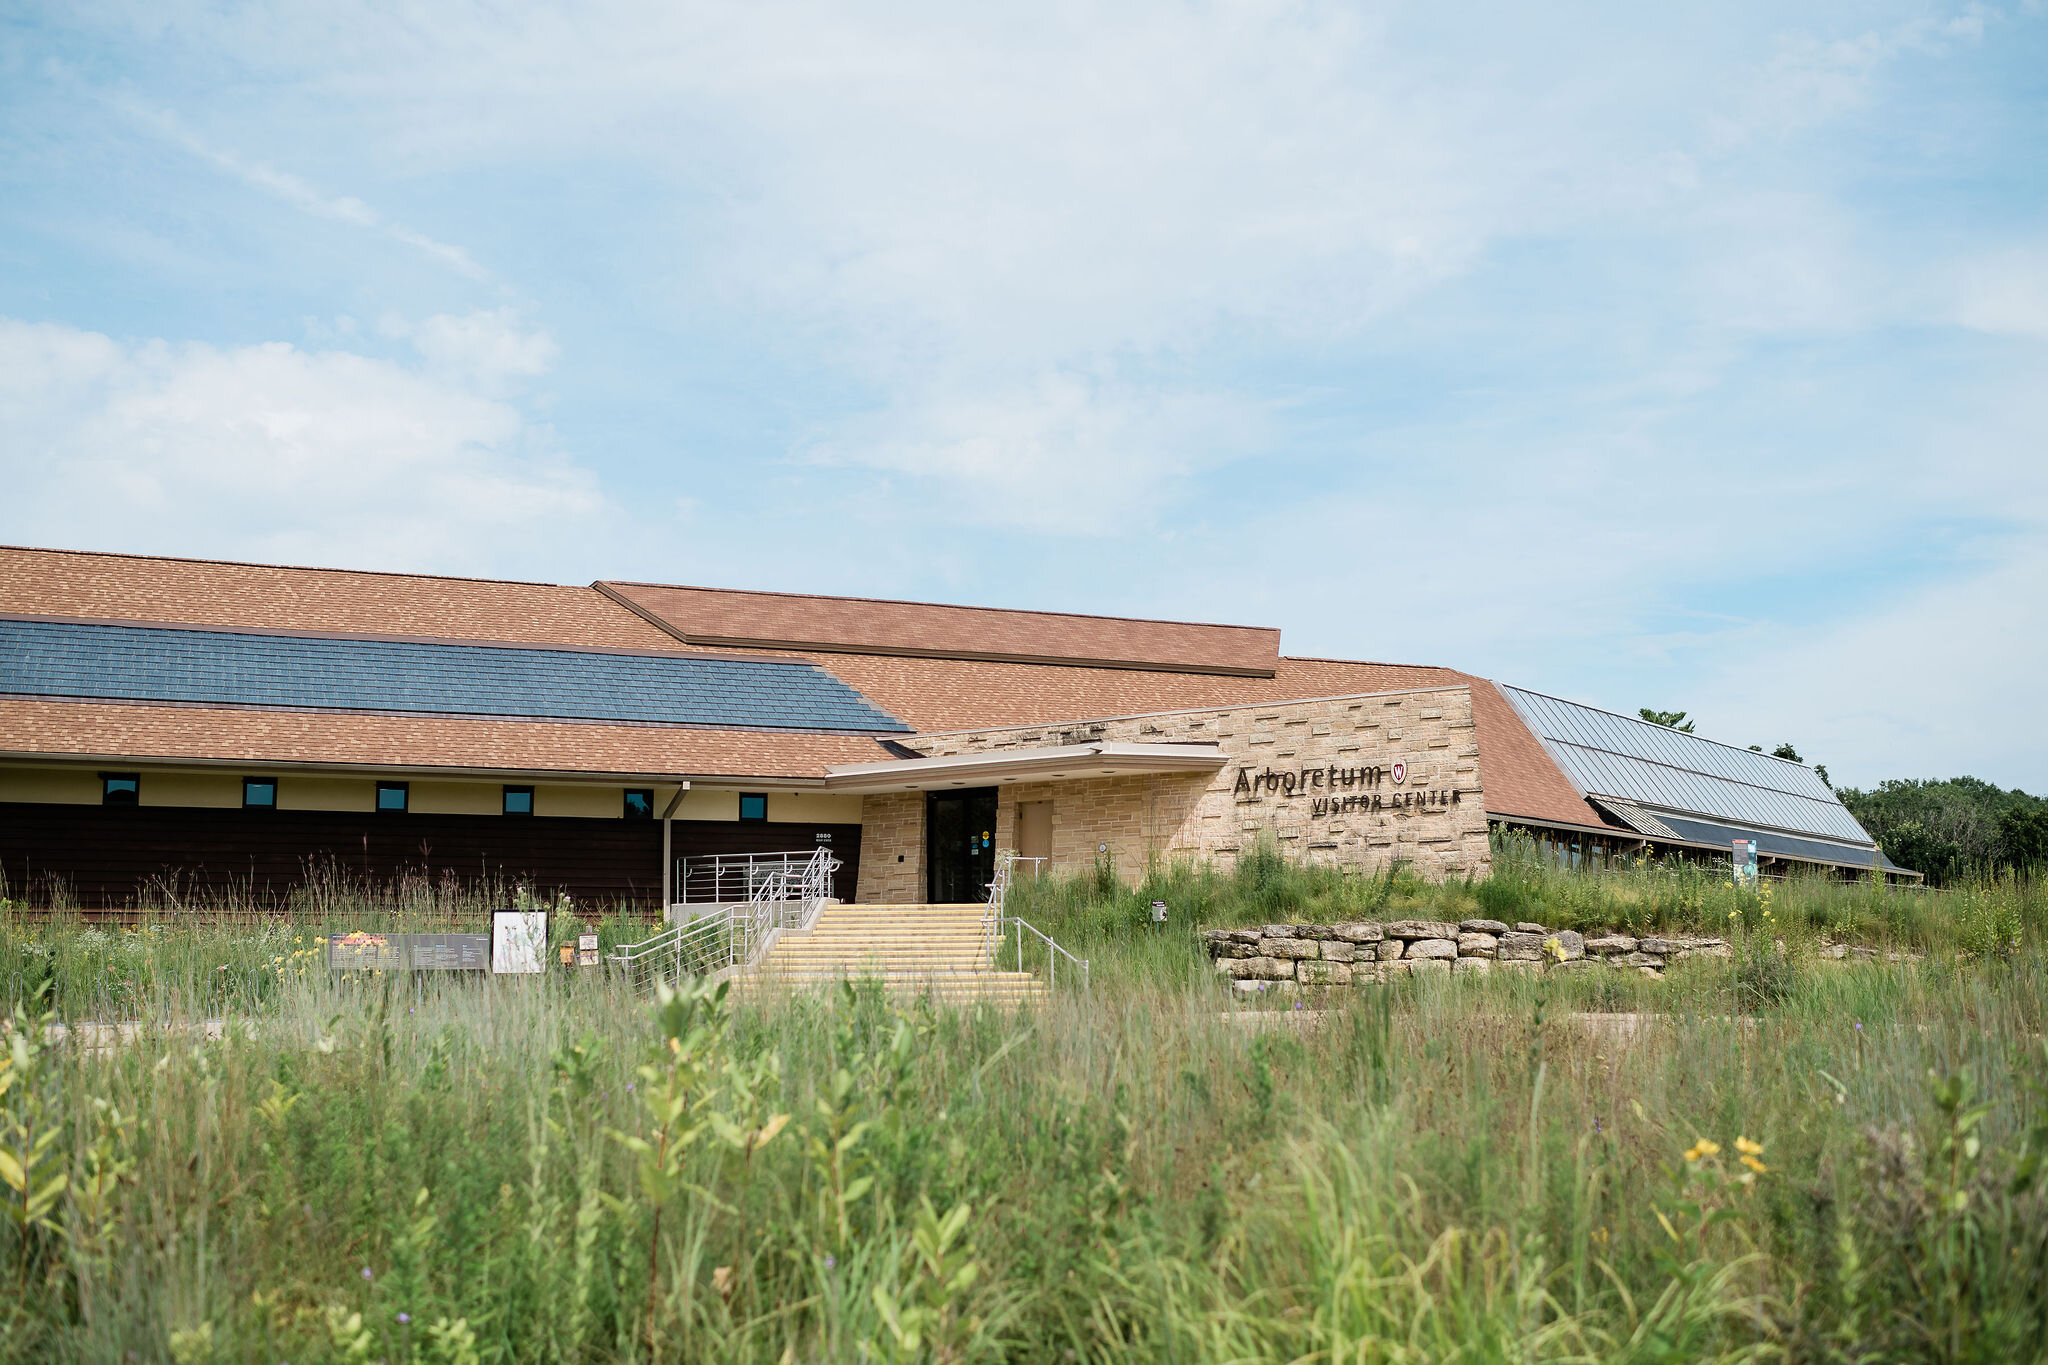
(519, 939)
(448, 952)
(362, 952)
(1745, 862)
(367, 952)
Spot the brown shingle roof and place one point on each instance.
(274, 597)
(937, 667)
(722, 617)
(109, 731)
(930, 694)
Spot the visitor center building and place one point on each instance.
(173, 726)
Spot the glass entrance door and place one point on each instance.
(960, 844)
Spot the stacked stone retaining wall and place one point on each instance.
(1367, 952)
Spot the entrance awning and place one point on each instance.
(1069, 762)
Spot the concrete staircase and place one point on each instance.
(911, 948)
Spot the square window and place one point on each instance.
(639, 803)
(391, 796)
(753, 806)
(259, 793)
(518, 800)
(120, 789)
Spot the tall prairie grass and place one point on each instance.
(364, 1168)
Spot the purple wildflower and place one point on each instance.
(366, 1273)
(404, 1318)
(831, 1262)
(629, 1087)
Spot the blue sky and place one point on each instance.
(1691, 360)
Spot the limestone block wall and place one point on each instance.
(1361, 781)
(891, 849)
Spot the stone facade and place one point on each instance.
(1359, 781)
(1288, 957)
(892, 848)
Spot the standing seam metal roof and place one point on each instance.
(1654, 765)
(222, 668)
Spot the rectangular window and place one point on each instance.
(518, 800)
(391, 796)
(259, 793)
(753, 806)
(639, 803)
(120, 789)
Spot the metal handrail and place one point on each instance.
(995, 921)
(1052, 962)
(731, 935)
(733, 878)
(998, 894)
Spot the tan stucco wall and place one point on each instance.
(1434, 819)
(192, 789)
(319, 791)
(813, 808)
(60, 786)
(306, 791)
(429, 797)
(808, 808)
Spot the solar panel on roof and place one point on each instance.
(1635, 761)
(226, 668)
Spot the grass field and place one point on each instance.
(366, 1169)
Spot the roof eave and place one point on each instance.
(1067, 762)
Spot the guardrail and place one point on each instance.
(1053, 953)
(733, 878)
(784, 891)
(996, 923)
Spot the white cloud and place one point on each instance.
(273, 452)
(490, 351)
(2006, 293)
(302, 195)
(1072, 454)
(1945, 680)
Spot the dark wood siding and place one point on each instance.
(108, 856)
(692, 838)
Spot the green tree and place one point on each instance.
(1952, 827)
(1675, 719)
(1787, 751)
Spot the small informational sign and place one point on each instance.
(568, 955)
(519, 941)
(1745, 862)
(447, 952)
(586, 950)
(1159, 912)
(367, 952)
(363, 952)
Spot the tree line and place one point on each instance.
(1945, 828)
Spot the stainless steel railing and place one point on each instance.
(783, 891)
(996, 923)
(733, 878)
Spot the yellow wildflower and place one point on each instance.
(1701, 1148)
(1744, 1145)
(1754, 1164)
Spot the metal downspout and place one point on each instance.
(668, 862)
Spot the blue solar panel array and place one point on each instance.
(1669, 770)
(225, 668)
